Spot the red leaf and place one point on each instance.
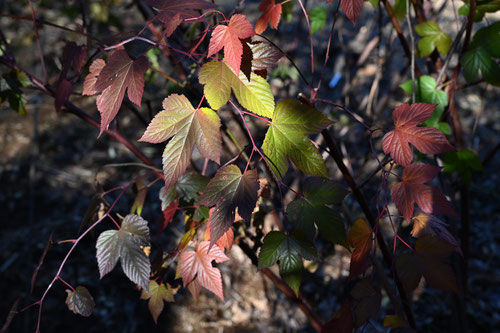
(198, 264)
(73, 56)
(428, 140)
(90, 80)
(228, 37)
(360, 238)
(271, 13)
(120, 74)
(413, 190)
(341, 322)
(168, 215)
(174, 12)
(352, 9)
(64, 90)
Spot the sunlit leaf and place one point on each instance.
(125, 244)
(287, 137)
(427, 140)
(189, 127)
(228, 37)
(198, 264)
(271, 14)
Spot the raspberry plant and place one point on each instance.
(223, 61)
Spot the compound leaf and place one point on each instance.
(198, 264)
(228, 37)
(80, 301)
(413, 190)
(157, 295)
(228, 190)
(427, 140)
(125, 244)
(432, 38)
(188, 127)
(287, 136)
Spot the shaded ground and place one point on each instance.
(48, 162)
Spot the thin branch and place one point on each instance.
(412, 59)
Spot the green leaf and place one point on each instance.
(400, 9)
(80, 301)
(255, 95)
(189, 127)
(432, 37)
(305, 213)
(125, 244)
(478, 60)
(228, 190)
(157, 295)
(167, 196)
(303, 247)
(464, 162)
(427, 93)
(190, 185)
(291, 269)
(288, 250)
(318, 19)
(482, 7)
(271, 249)
(481, 54)
(287, 136)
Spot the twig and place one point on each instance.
(400, 34)
(412, 59)
(35, 27)
(450, 53)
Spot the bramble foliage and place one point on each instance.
(227, 59)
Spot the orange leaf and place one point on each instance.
(228, 37)
(271, 13)
(360, 238)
